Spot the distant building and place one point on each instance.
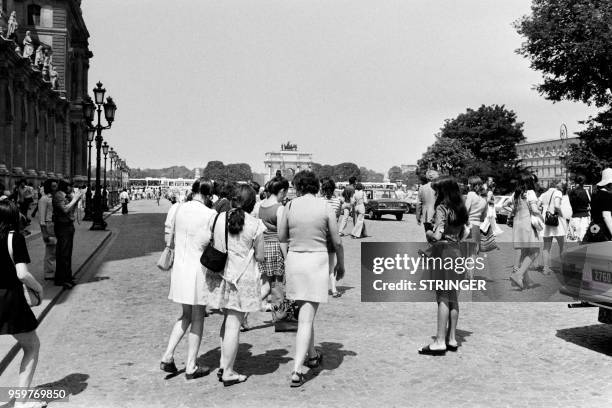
(197, 173)
(543, 158)
(409, 168)
(42, 131)
(288, 160)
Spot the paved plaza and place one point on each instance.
(104, 339)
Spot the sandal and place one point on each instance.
(314, 362)
(220, 374)
(168, 367)
(300, 380)
(516, 282)
(452, 348)
(429, 352)
(199, 372)
(237, 380)
(336, 294)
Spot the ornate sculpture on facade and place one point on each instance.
(47, 66)
(28, 46)
(11, 32)
(40, 57)
(289, 147)
(54, 78)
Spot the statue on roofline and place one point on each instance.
(11, 32)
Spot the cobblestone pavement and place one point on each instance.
(105, 340)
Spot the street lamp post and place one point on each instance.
(90, 138)
(104, 191)
(109, 113)
(112, 154)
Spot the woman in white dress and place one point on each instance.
(551, 201)
(191, 222)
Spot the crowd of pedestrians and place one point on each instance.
(276, 255)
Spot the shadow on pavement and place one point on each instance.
(597, 337)
(247, 363)
(136, 238)
(333, 355)
(74, 384)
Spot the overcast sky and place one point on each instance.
(363, 81)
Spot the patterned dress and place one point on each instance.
(239, 287)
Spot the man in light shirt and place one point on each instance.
(124, 198)
(47, 230)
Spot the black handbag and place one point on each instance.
(551, 219)
(213, 259)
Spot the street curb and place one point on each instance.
(10, 355)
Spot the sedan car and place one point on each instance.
(501, 210)
(382, 202)
(411, 199)
(586, 273)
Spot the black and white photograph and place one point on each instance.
(305, 203)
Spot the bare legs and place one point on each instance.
(448, 315)
(547, 249)
(528, 256)
(192, 316)
(230, 337)
(332, 273)
(304, 339)
(30, 344)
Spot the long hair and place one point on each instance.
(476, 185)
(9, 218)
(204, 187)
(449, 195)
(243, 201)
(328, 187)
(525, 182)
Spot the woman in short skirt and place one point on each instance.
(305, 226)
(16, 317)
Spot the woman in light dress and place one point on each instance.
(328, 189)
(526, 229)
(551, 202)
(359, 200)
(238, 290)
(191, 222)
(306, 224)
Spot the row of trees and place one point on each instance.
(570, 42)
(216, 170)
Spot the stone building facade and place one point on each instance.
(543, 158)
(42, 131)
(288, 160)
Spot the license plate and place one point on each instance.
(601, 276)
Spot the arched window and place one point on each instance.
(34, 15)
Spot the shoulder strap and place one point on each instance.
(226, 222)
(212, 237)
(9, 242)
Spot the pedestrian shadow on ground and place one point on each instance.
(333, 357)
(74, 384)
(344, 289)
(246, 362)
(597, 337)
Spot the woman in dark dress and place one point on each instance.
(16, 317)
(450, 228)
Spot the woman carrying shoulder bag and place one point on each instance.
(16, 317)
(600, 229)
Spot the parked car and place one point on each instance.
(411, 199)
(586, 273)
(382, 202)
(501, 210)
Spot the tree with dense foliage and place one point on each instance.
(215, 170)
(344, 171)
(478, 142)
(394, 174)
(239, 172)
(368, 175)
(570, 42)
(594, 151)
